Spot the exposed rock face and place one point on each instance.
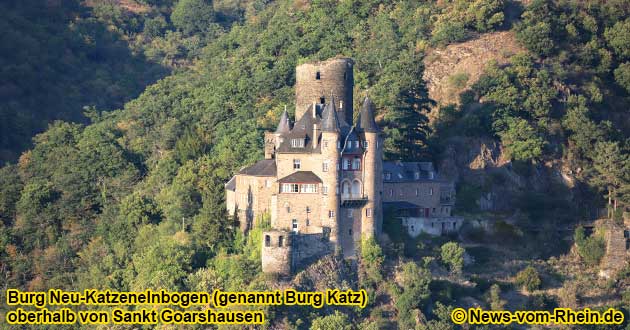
(465, 59)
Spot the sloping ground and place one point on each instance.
(450, 70)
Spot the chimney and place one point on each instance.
(315, 135)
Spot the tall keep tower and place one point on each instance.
(316, 81)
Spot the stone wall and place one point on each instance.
(335, 76)
(277, 252)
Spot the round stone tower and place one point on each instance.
(277, 252)
(317, 80)
(372, 213)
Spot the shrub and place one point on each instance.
(591, 249)
(453, 256)
(528, 278)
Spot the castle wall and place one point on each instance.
(294, 206)
(253, 198)
(335, 76)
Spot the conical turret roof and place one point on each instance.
(284, 126)
(330, 121)
(366, 121)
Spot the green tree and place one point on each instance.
(521, 140)
(453, 256)
(612, 166)
(335, 321)
(528, 278)
(618, 38)
(191, 16)
(622, 75)
(415, 282)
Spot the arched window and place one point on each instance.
(345, 188)
(356, 188)
(267, 240)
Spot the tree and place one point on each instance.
(494, 298)
(335, 321)
(453, 256)
(191, 16)
(521, 140)
(528, 278)
(415, 283)
(591, 249)
(622, 75)
(612, 165)
(371, 260)
(618, 38)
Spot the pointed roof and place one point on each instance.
(366, 121)
(330, 120)
(284, 126)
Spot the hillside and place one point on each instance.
(530, 117)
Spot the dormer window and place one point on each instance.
(297, 143)
(356, 144)
(416, 175)
(318, 76)
(388, 176)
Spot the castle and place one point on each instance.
(323, 181)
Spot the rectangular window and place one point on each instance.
(356, 144)
(290, 187)
(294, 225)
(325, 190)
(388, 176)
(296, 164)
(416, 191)
(331, 214)
(416, 175)
(347, 164)
(268, 183)
(368, 213)
(267, 240)
(308, 209)
(391, 192)
(280, 241)
(325, 144)
(325, 166)
(350, 212)
(308, 188)
(356, 164)
(430, 191)
(365, 144)
(297, 143)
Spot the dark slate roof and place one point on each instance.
(405, 171)
(265, 167)
(366, 122)
(302, 129)
(284, 126)
(348, 139)
(301, 177)
(231, 185)
(330, 120)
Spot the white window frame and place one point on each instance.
(331, 214)
(291, 188)
(308, 188)
(297, 164)
(368, 212)
(356, 164)
(325, 165)
(431, 191)
(294, 225)
(297, 143)
(324, 190)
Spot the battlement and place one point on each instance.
(315, 81)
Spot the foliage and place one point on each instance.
(192, 16)
(453, 256)
(528, 278)
(494, 298)
(413, 292)
(591, 249)
(371, 261)
(334, 321)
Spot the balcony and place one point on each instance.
(349, 200)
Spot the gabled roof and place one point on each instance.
(265, 167)
(301, 177)
(366, 122)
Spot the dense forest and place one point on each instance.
(124, 189)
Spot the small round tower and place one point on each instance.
(317, 80)
(277, 251)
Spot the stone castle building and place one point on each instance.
(323, 182)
